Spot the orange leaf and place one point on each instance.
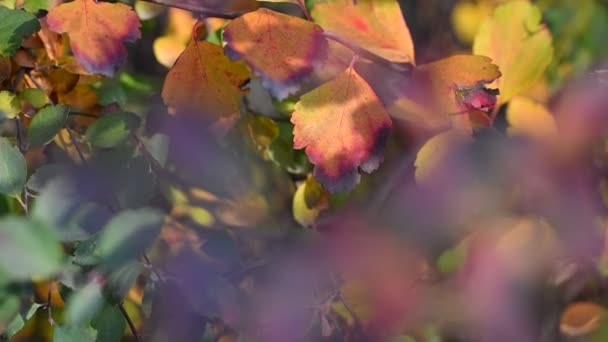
(204, 80)
(376, 25)
(442, 93)
(279, 47)
(344, 127)
(97, 31)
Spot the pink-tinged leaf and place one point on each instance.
(344, 127)
(447, 93)
(97, 31)
(280, 48)
(374, 25)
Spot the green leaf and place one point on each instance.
(32, 310)
(86, 254)
(34, 6)
(110, 324)
(9, 105)
(111, 92)
(28, 249)
(158, 146)
(46, 124)
(9, 310)
(122, 280)
(73, 333)
(13, 327)
(43, 175)
(13, 169)
(14, 25)
(85, 303)
(67, 211)
(112, 129)
(36, 97)
(134, 183)
(128, 235)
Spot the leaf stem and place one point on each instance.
(304, 9)
(75, 143)
(125, 314)
(358, 50)
(23, 202)
(49, 308)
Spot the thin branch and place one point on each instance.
(48, 307)
(205, 12)
(197, 8)
(304, 9)
(358, 50)
(129, 322)
(18, 126)
(18, 80)
(87, 115)
(75, 143)
(23, 203)
(153, 269)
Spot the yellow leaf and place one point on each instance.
(376, 25)
(435, 151)
(529, 118)
(308, 201)
(518, 43)
(9, 105)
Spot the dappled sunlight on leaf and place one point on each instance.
(280, 48)
(343, 127)
(97, 31)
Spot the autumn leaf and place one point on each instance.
(529, 118)
(374, 25)
(448, 93)
(168, 47)
(204, 80)
(343, 126)
(280, 48)
(434, 152)
(518, 43)
(97, 31)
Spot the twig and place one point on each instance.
(193, 6)
(398, 67)
(151, 267)
(75, 143)
(48, 307)
(129, 321)
(86, 115)
(18, 79)
(14, 87)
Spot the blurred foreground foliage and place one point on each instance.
(121, 219)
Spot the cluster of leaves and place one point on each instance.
(144, 212)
